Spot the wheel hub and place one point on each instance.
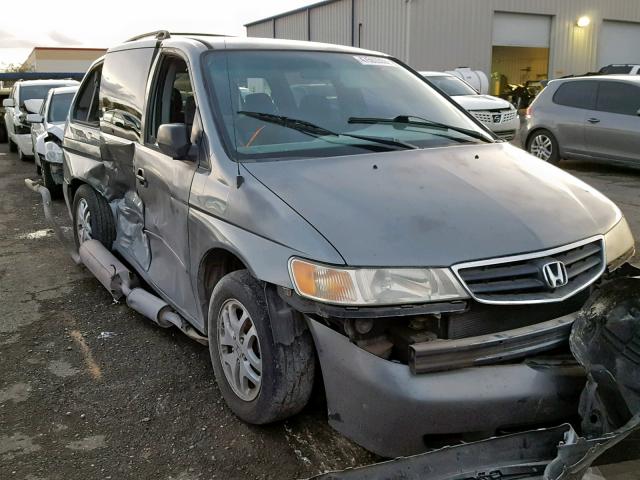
(83, 221)
(239, 349)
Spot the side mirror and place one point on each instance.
(172, 140)
(34, 118)
(8, 102)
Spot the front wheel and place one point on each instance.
(543, 144)
(92, 218)
(13, 148)
(261, 379)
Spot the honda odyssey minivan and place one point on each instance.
(287, 202)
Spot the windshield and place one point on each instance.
(59, 108)
(32, 92)
(452, 86)
(293, 104)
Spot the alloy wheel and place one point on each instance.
(541, 147)
(239, 349)
(83, 221)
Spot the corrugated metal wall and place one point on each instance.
(292, 27)
(451, 33)
(380, 25)
(331, 23)
(444, 34)
(262, 29)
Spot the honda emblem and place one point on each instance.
(555, 274)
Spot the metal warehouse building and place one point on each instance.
(513, 40)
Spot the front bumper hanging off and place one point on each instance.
(387, 409)
(467, 386)
(605, 340)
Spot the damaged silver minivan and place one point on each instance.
(289, 201)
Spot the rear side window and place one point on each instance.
(122, 91)
(616, 69)
(85, 109)
(618, 97)
(580, 94)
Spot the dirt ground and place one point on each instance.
(91, 390)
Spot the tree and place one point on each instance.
(14, 67)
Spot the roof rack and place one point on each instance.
(164, 34)
(158, 34)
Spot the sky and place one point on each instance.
(25, 24)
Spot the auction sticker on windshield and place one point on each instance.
(366, 60)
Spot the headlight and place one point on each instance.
(373, 286)
(619, 244)
(52, 152)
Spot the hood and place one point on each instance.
(480, 102)
(56, 129)
(440, 206)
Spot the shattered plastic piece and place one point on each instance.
(105, 335)
(46, 232)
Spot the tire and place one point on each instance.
(54, 189)
(3, 134)
(287, 367)
(13, 148)
(21, 156)
(542, 144)
(100, 218)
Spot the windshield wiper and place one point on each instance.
(318, 131)
(419, 122)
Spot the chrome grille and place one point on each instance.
(519, 279)
(487, 116)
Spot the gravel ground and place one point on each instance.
(91, 390)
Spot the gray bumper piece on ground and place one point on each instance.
(385, 408)
(605, 339)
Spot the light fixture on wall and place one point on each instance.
(583, 21)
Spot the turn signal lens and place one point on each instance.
(316, 281)
(373, 286)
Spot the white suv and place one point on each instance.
(496, 114)
(18, 128)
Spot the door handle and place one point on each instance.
(593, 120)
(140, 177)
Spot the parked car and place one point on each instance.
(434, 271)
(620, 69)
(594, 117)
(47, 131)
(496, 114)
(26, 97)
(4, 94)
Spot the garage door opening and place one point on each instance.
(520, 55)
(518, 66)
